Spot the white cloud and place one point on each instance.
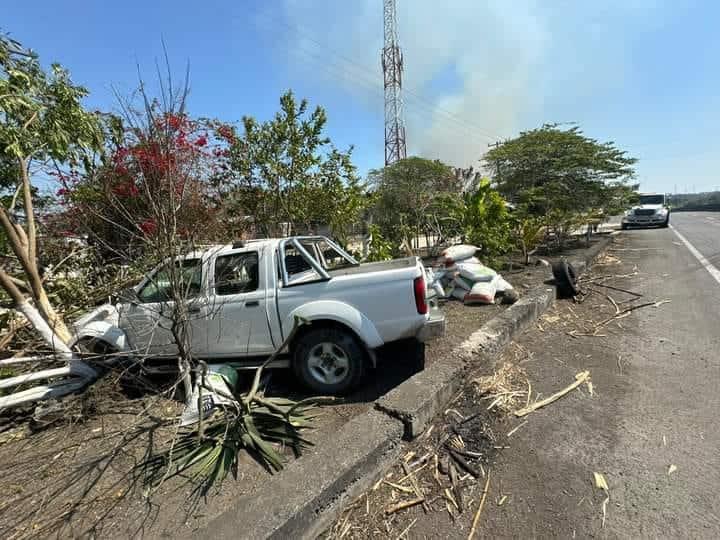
(509, 58)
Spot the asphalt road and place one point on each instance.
(656, 376)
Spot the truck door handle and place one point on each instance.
(252, 303)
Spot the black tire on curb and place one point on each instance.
(565, 279)
(343, 340)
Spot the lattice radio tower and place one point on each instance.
(392, 64)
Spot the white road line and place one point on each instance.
(714, 272)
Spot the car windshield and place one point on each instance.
(652, 199)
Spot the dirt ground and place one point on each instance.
(78, 478)
(645, 424)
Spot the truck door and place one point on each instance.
(237, 321)
(148, 319)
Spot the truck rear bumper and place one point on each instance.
(433, 328)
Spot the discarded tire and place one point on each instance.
(510, 296)
(565, 279)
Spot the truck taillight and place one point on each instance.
(420, 300)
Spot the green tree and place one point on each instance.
(416, 196)
(42, 121)
(561, 175)
(286, 171)
(487, 221)
(562, 168)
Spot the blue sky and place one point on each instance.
(640, 72)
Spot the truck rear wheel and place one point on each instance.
(329, 361)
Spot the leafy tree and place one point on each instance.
(42, 121)
(561, 176)
(285, 171)
(154, 175)
(487, 221)
(379, 249)
(561, 168)
(416, 196)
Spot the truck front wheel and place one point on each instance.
(329, 361)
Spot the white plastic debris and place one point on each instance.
(216, 392)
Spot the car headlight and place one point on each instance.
(661, 211)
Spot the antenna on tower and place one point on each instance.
(392, 65)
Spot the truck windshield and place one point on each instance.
(652, 199)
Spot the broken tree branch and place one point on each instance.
(580, 378)
(627, 310)
(476, 520)
(403, 505)
(258, 372)
(415, 486)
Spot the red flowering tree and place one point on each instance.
(150, 196)
(150, 193)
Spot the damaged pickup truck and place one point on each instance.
(243, 299)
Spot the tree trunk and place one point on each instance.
(23, 245)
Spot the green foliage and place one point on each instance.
(416, 196)
(286, 171)
(528, 231)
(487, 221)
(207, 460)
(560, 178)
(561, 170)
(379, 249)
(41, 115)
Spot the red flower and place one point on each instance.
(226, 132)
(148, 226)
(174, 121)
(126, 189)
(62, 192)
(201, 141)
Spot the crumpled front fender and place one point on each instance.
(101, 324)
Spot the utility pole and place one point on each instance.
(392, 65)
(497, 162)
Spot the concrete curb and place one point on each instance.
(592, 253)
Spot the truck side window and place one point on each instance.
(298, 269)
(188, 279)
(237, 273)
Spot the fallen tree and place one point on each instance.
(42, 122)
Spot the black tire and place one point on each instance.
(666, 224)
(329, 361)
(565, 279)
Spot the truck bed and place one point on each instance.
(371, 268)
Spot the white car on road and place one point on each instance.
(243, 299)
(652, 209)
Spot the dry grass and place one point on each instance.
(507, 389)
(607, 259)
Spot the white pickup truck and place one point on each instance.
(243, 299)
